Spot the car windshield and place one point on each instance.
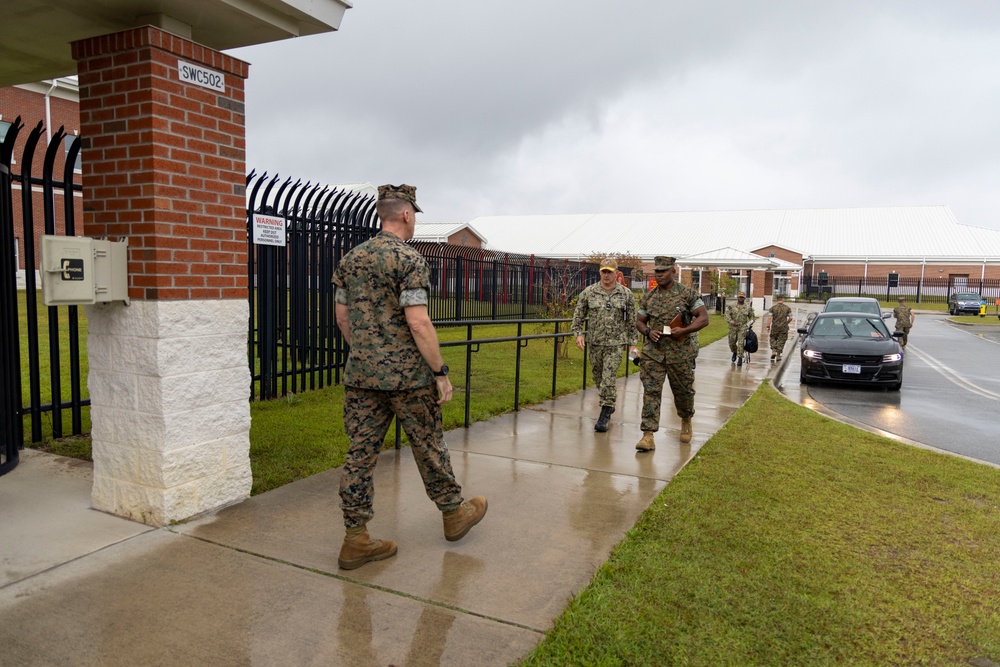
(845, 326)
(853, 306)
(967, 296)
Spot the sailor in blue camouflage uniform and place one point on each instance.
(394, 368)
(610, 309)
(670, 351)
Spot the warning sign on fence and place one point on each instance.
(268, 230)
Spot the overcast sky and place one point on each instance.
(579, 106)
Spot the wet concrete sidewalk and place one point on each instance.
(258, 583)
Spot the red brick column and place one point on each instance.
(164, 162)
(164, 166)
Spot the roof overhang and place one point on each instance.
(35, 35)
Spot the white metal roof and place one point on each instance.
(917, 233)
(731, 258)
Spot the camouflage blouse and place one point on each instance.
(612, 316)
(903, 315)
(377, 280)
(779, 317)
(660, 306)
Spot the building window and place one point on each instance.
(781, 283)
(67, 143)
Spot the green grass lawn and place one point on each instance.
(990, 320)
(793, 539)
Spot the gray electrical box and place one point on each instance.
(78, 270)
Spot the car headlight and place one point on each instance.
(812, 354)
(895, 356)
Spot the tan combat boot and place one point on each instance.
(646, 444)
(459, 521)
(686, 430)
(359, 549)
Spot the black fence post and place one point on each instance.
(494, 296)
(459, 287)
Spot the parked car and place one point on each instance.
(964, 302)
(854, 348)
(855, 304)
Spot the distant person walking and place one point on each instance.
(670, 350)
(781, 317)
(610, 307)
(394, 368)
(740, 317)
(904, 319)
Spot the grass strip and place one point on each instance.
(793, 539)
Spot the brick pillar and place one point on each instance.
(164, 166)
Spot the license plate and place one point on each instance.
(852, 368)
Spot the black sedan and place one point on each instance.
(851, 347)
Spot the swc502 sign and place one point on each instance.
(268, 230)
(201, 76)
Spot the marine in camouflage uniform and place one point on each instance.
(904, 320)
(610, 308)
(740, 317)
(668, 356)
(387, 374)
(781, 315)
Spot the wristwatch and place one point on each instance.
(443, 372)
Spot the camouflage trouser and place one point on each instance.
(906, 334)
(737, 338)
(778, 340)
(681, 378)
(367, 415)
(604, 361)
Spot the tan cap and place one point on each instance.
(609, 264)
(741, 294)
(404, 192)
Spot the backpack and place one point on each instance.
(750, 345)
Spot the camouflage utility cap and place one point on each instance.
(739, 294)
(609, 264)
(404, 192)
(662, 263)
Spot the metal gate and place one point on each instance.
(293, 344)
(24, 191)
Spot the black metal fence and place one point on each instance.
(294, 344)
(25, 183)
(293, 341)
(916, 290)
(478, 284)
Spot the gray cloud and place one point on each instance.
(563, 107)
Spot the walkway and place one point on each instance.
(258, 583)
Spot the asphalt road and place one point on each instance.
(950, 397)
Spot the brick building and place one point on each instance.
(54, 103)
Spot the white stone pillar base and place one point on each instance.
(170, 409)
